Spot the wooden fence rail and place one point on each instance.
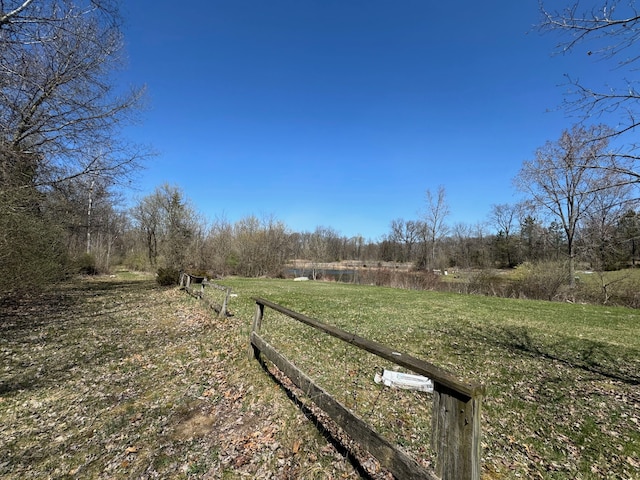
(455, 435)
(186, 282)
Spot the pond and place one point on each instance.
(337, 275)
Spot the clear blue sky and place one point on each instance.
(342, 113)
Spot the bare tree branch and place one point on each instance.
(6, 18)
(610, 31)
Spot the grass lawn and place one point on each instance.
(563, 380)
(119, 378)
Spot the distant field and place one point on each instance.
(563, 380)
(118, 378)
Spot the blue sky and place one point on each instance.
(342, 113)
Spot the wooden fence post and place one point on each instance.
(223, 309)
(456, 434)
(254, 352)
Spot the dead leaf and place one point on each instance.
(241, 460)
(296, 446)
(137, 417)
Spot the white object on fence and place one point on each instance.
(407, 381)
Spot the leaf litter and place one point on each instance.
(124, 379)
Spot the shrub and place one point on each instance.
(168, 276)
(487, 282)
(136, 262)
(540, 281)
(32, 252)
(86, 264)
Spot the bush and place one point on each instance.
(540, 281)
(168, 276)
(136, 262)
(486, 282)
(32, 252)
(86, 264)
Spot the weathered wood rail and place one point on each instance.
(455, 435)
(187, 281)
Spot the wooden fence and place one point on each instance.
(187, 282)
(455, 435)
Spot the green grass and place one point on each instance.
(563, 380)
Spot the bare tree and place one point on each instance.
(628, 236)
(146, 216)
(461, 240)
(60, 114)
(261, 246)
(169, 225)
(562, 180)
(86, 208)
(407, 234)
(252, 246)
(504, 217)
(599, 236)
(434, 224)
(609, 32)
(322, 246)
(218, 247)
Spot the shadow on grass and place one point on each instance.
(64, 304)
(329, 432)
(46, 337)
(119, 285)
(603, 359)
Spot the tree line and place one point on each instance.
(166, 230)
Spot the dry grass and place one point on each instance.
(118, 378)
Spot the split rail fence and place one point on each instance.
(455, 435)
(195, 286)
